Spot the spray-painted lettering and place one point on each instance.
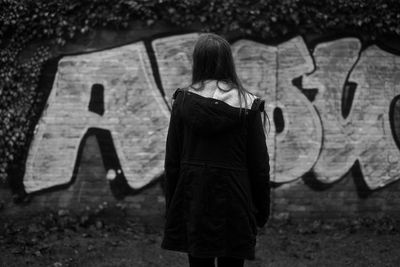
(338, 106)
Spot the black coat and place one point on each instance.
(216, 177)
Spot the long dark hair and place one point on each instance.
(213, 60)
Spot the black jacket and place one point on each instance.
(216, 177)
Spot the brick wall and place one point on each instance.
(333, 140)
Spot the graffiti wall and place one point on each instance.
(334, 114)
(112, 91)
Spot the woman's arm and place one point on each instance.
(258, 165)
(172, 151)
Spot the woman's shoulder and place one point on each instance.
(175, 94)
(256, 102)
(231, 97)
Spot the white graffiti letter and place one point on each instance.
(333, 61)
(134, 113)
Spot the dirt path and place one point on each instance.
(108, 238)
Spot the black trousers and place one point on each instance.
(209, 262)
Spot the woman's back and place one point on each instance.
(216, 162)
(221, 190)
(214, 126)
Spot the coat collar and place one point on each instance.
(222, 91)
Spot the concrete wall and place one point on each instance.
(333, 141)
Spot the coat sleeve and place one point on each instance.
(258, 166)
(172, 151)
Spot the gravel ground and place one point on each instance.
(107, 237)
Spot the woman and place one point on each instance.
(216, 163)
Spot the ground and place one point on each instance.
(108, 237)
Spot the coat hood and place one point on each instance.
(211, 110)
